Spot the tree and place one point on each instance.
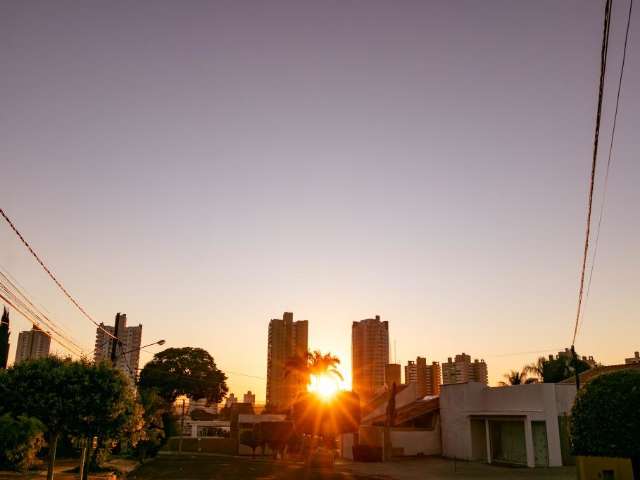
(184, 371)
(44, 389)
(517, 378)
(561, 368)
(313, 363)
(248, 438)
(20, 440)
(275, 435)
(605, 420)
(535, 369)
(108, 410)
(4, 338)
(69, 397)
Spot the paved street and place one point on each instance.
(230, 468)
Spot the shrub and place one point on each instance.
(20, 440)
(605, 420)
(248, 438)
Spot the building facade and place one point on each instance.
(463, 370)
(525, 425)
(369, 356)
(249, 398)
(287, 339)
(230, 401)
(127, 353)
(392, 374)
(427, 377)
(410, 372)
(32, 344)
(633, 360)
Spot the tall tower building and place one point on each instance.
(392, 374)
(32, 344)
(287, 339)
(410, 372)
(433, 379)
(463, 370)
(126, 356)
(425, 376)
(249, 397)
(369, 355)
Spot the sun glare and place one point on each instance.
(325, 386)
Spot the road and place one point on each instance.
(231, 468)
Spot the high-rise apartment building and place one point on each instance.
(392, 374)
(231, 400)
(426, 377)
(32, 344)
(410, 372)
(463, 370)
(249, 398)
(432, 379)
(287, 339)
(127, 352)
(369, 355)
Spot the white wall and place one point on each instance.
(346, 446)
(534, 402)
(417, 442)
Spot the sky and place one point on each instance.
(206, 166)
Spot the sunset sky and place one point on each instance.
(206, 166)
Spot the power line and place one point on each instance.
(18, 291)
(53, 277)
(20, 308)
(603, 70)
(606, 176)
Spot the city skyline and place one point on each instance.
(427, 163)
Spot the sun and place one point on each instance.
(325, 386)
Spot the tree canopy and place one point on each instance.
(69, 397)
(184, 371)
(561, 368)
(515, 377)
(555, 369)
(314, 363)
(605, 419)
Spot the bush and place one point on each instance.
(20, 440)
(605, 420)
(248, 438)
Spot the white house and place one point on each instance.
(521, 425)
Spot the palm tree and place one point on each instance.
(313, 363)
(517, 378)
(536, 369)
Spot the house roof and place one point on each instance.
(588, 375)
(411, 411)
(380, 399)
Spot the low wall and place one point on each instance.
(404, 441)
(593, 468)
(416, 441)
(226, 446)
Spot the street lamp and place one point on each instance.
(159, 342)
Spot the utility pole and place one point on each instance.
(181, 428)
(575, 367)
(116, 340)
